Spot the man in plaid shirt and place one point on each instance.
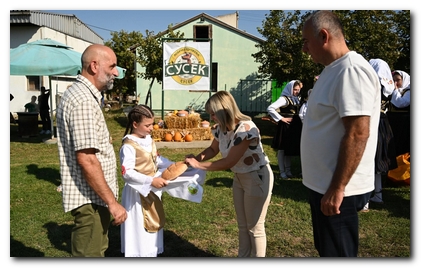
(87, 160)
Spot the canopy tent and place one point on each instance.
(47, 57)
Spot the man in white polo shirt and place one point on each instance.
(339, 136)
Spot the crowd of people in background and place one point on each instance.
(42, 108)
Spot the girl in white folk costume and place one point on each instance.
(287, 137)
(140, 162)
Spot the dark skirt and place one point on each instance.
(386, 152)
(288, 137)
(400, 124)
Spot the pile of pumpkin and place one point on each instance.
(178, 136)
(181, 126)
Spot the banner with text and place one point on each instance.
(186, 66)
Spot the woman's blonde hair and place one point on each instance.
(222, 104)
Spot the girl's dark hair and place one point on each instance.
(137, 114)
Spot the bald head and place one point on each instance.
(95, 52)
(99, 66)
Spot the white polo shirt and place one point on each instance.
(348, 86)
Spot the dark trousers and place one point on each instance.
(46, 120)
(337, 236)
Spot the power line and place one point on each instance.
(101, 28)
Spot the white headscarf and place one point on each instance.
(406, 80)
(385, 75)
(287, 91)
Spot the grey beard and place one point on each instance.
(110, 85)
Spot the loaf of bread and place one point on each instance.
(174, 170)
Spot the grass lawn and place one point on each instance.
(40, 228)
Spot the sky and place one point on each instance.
(103, 22)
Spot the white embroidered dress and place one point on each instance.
(135, 240)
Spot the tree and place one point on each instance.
(402, 24)
(281, 55)
(121, 42)
(150, 55)
(373, 33)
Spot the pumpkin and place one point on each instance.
(204, 123)
(188, 137)
(168, 137)
(177, 136)
(182, 113)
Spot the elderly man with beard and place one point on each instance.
(87, 160)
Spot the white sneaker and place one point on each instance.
(47, 132)
(365, 208)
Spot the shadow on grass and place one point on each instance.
(267, 141)
(15, 137)
(219, 182)
(290, 189)
(175, 246)
(392, 197)
(17, 249)
(60, 238)
(122, 121)
(48, 174)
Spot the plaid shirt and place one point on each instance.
(81, 125)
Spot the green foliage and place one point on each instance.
(381, 34)
(121, 42)
(280, 55)
(372, 33)
(402, 25)
(150, 55)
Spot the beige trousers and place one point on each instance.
(252, 193)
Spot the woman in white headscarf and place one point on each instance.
(385, 153)
(401, 96)
(399, 111)
(287, 137)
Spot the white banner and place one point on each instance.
(187, 66)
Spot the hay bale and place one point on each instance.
(182, 122)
